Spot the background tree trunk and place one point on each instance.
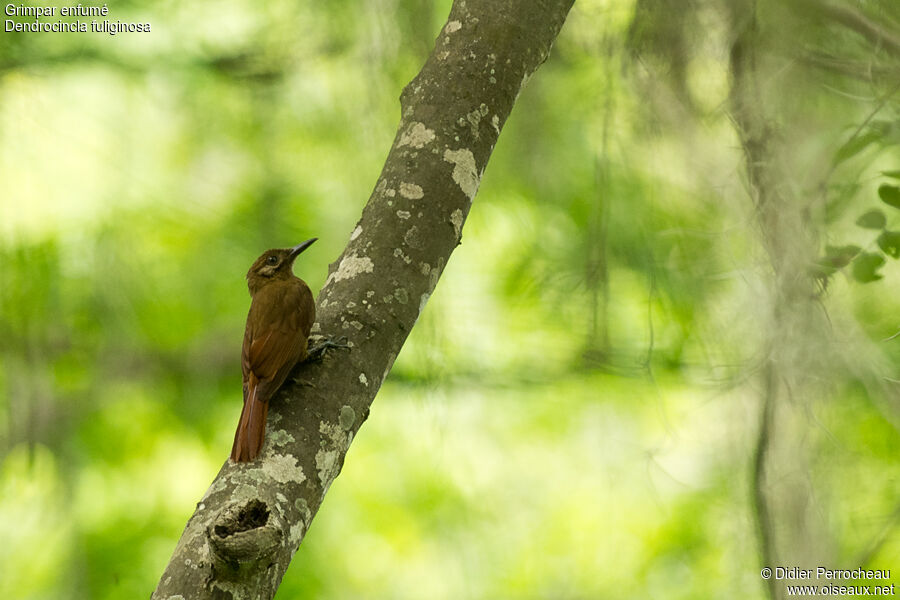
(240, 540)
(801, 351)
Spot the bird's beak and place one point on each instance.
(301, 247)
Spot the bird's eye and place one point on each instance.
(272, 260)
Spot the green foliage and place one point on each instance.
(837, 257)
(866, 265)
(569, 417)
(889, 242)
(874, 219)
(878, 132)
(890, 195)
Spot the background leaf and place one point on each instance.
(837, 257)
(866, 265)
(889, 194)
(874, 219)
(889, 242)
(856, 144)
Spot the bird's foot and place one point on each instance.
(317, 351)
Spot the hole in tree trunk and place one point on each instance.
(253, 515)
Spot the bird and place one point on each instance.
(281, 317)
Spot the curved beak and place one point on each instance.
(301, 247)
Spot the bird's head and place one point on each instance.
(274, 264)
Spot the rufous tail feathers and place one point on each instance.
(251, 431)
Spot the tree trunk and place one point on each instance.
(797, 345)
(247, 526)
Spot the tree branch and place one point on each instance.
(764, 527)
(857, 21)
(855, 69)
(246, 528)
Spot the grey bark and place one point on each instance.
(253, 517)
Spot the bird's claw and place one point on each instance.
(317, 351)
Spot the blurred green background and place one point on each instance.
(574, 415)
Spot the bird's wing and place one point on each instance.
(307, 311)
(276, 335)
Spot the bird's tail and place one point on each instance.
(251, 431)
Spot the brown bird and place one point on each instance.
(281, 315)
